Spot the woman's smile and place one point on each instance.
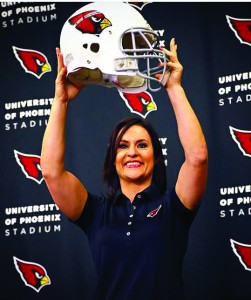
(133, 164)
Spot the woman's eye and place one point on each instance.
(122, 146)
(142, 145)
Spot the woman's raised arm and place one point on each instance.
(66, 190)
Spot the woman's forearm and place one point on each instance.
(189, 129)
(53, 145)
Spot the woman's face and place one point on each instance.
(135, 157)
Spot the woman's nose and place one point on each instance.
(132, 151)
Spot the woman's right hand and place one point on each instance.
(65, 91)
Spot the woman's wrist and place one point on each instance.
(60, 101)
(174, 88)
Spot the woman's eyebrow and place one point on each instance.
(139, 140)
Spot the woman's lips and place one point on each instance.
(133, 164)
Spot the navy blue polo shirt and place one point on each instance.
(138, 248)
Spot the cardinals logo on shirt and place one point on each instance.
(30, 165)
(243, 252)
(32, 274)
(242, 139)
(154, 212)
(241, 29)
(32, 61)
(139, 103)
(90, 22)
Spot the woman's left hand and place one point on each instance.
(174, 68)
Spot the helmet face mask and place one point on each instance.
(137, 39)
(140, 44)
(100, 46)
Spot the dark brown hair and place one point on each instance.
(110, 176)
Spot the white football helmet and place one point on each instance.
(111, 44)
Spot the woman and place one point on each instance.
(138, 233)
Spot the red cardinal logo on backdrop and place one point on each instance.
(32, 274)
(154, 212)
(90, 22)
(241, 29)
(243, 252)
(139, 5)
(139, 103)
(32, 61)
(30, 165)
(242, 139)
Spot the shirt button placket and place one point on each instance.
(130, 221)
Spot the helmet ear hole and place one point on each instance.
(95, 47)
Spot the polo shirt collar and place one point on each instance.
(150, 193)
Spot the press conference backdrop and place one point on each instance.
(214, 46)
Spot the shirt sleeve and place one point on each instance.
(187, 214)
(91, 211)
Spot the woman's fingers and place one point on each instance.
(173, 45)
(60, 59)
